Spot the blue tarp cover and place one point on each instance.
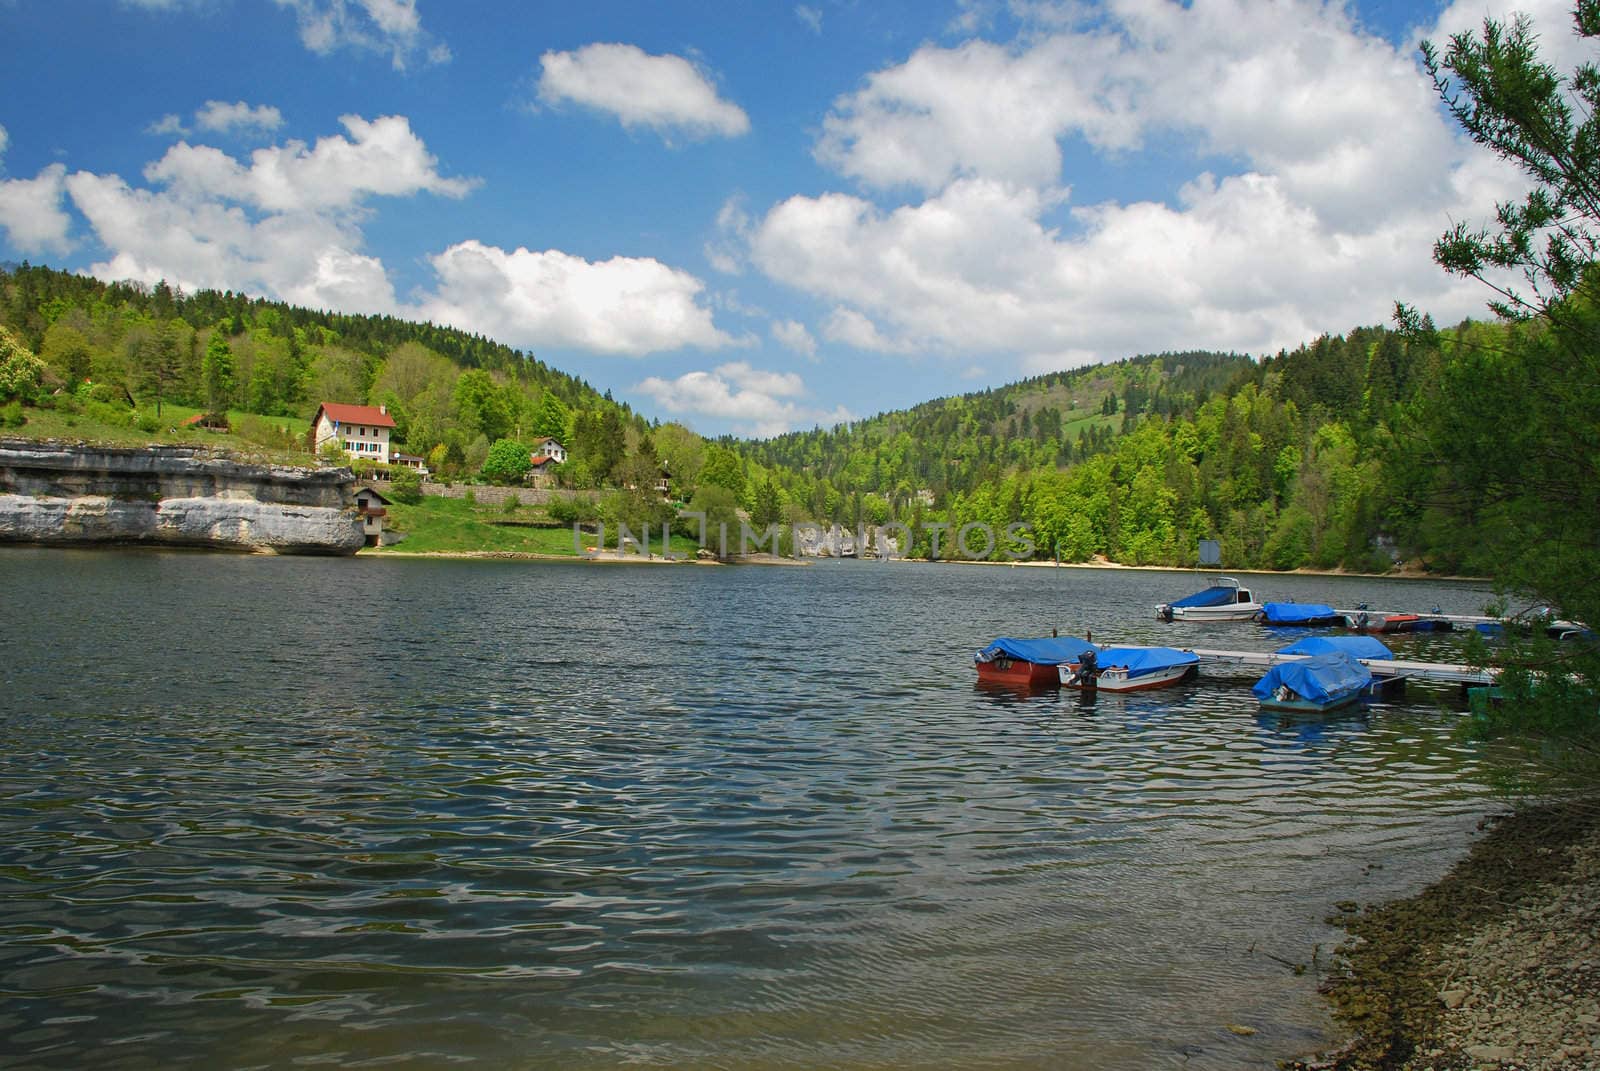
(1043, 652)
(1143, 660)
(1209, 597)
(1354, 646)
(1290, 613)
(1318, 679)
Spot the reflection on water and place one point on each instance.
(265, 811)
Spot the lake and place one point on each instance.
(262, 812)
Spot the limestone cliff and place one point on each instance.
(71, 493)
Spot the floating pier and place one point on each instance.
(1385, 669)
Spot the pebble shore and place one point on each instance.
(1496, 966)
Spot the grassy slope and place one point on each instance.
(454, 525)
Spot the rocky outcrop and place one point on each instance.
(836, 542)
(63, 493)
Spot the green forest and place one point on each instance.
(1464, 450)
(1308, 458)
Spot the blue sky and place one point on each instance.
(759, 217)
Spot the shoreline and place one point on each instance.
(1495, 965)
(619, 557)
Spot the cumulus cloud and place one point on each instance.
(665, 93)
(285, 222)
(757, 402)
(628, 306)
(221, 116)
(31, 213)
(792, 335)
(391, 26)
(1330, 171)
(1293, 89)
(1236, 264)
(30, 209)
(380, 157)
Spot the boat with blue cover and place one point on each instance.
(1028, 661)
(1362, 648)
(1224, 600)
(1313, 684)
(1130, 669)
(1303, 614)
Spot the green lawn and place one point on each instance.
(252, 437)
(454, 525)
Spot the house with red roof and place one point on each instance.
(548, 449)
(362, 431)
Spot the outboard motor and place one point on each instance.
(1088, 670)
(1164, 613)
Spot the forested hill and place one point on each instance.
(955, 444)
(1328, 455)
(33, 299)
(452, 393)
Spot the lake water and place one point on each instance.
(263, 812)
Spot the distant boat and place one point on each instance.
(1224, 600)
(1313, 684)
(1305, 614)
(1030, 663)
(1371, 621)
(1130, 669)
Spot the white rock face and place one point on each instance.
(50, 493)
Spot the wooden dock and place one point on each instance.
(1221, 662)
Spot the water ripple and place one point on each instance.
(730, 818)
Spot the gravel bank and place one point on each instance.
(1495, 966)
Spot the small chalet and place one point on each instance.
(550, 449)
(410, 461)
(370, 504)
(361, 430)
(541, 470)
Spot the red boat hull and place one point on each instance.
(1015, 672)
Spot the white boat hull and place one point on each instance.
(1116, 679)
(1234, 611)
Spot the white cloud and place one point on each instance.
(5, 139)
(287, 223)
(1238, 264)
(755, 401)
(666, 93)
(810, 16)
(30, 210)
(221, 116)
(307, 258)
(391, 26)
(169, 125)
(381, 157)
(626, 305)
(1290, 88)
(1333, 173)
(793, 335)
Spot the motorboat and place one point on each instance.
(1302, 614)
(1224, 600)
(1028, 662)
(1361, 648)
(1313, 684)
(1130, 669)
(1371, 621)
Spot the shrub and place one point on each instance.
(405, 485)
(11, 416)
(148, 422)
